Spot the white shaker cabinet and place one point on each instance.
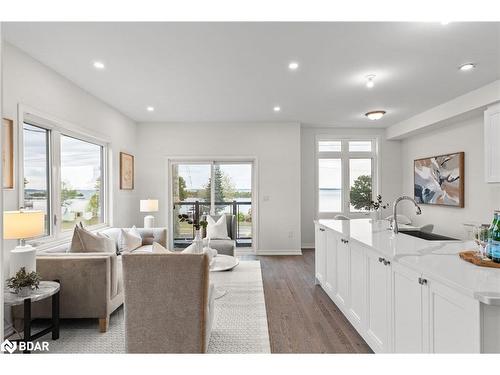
(320, 253)
(409, 322)
(331, 263)
(378, 322)
(492, 143)
(357, 286)
(342, 272)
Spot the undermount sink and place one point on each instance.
(427, 235)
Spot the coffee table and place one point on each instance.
(222, 263)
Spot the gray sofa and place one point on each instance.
(91, 283)
(223, 246)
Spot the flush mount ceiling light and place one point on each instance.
(150, 109)
(375, 115)
(98, 65)
(277, 108)
(293, 65)
(370, 81)
(466, 67)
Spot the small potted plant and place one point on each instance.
(23, 282)
(197, 225)
(377, 206)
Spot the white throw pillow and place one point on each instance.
(159, 249)
(130, 239)
(217, 230)
(84, 241)
(191, 249)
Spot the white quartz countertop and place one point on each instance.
(434, 259)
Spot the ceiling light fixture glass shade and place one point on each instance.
(150, 109)
(277, 108)
(293, 65)
(98, 65)
(375, 115)
(466, 67)
(370, 81)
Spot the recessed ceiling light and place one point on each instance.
(150, 109)
(370, 81)
(375, 115)
(99, 65)
(293, 65)
(444, 23)
(277, 108)
(466, 67)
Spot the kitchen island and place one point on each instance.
(406, 294)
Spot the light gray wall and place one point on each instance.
(276, 147)
(480, 198)
(30, 83)
(389, 171)
(27, 81)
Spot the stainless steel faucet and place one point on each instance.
(395, 228)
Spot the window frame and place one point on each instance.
(345, 155)
(56, 129)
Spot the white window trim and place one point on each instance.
(60, 127)
(345, 155)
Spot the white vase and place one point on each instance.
(24, 291)
(198, 242)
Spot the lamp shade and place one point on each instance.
(18, 225)
(149, 205)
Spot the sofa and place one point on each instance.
(91, 283)
(223, 246)
(169, 303)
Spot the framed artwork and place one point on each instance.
(8, 153)
(126, 171)
(439, 180)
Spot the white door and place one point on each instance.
(342, 295)
(454, 321)
(320, 254)
(409, 319)
(357, 274)
(331, 263)
(378, 302)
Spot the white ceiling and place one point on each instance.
(238, 71)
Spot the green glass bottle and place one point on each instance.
(495, 241)
(490, 234)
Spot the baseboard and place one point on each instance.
(308, 246)
(279, 252)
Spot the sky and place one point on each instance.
(197, 175)
(80, 161)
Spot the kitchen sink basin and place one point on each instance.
(427, 235)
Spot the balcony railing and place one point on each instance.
(184, 233)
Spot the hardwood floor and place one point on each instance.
(301, 317)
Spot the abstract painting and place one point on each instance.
(439, 180)
(126, 171)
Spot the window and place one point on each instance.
(63, 176)
(345, 176)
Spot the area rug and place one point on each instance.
(240, 322)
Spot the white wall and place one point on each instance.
(276, 147)
(28, 82)
(389, 171)
(480, 198)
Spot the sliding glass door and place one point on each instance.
(212, 187)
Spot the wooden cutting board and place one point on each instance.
(470, 256)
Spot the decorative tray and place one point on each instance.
(470, 256)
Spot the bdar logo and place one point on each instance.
(8, 346)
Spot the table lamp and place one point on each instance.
(21, 225)
(149, 205)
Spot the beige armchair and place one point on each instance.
(168, 303)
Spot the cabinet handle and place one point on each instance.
(381, 260)
(387, 262)
(422, 281)
(346, 241)
(321, 229)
